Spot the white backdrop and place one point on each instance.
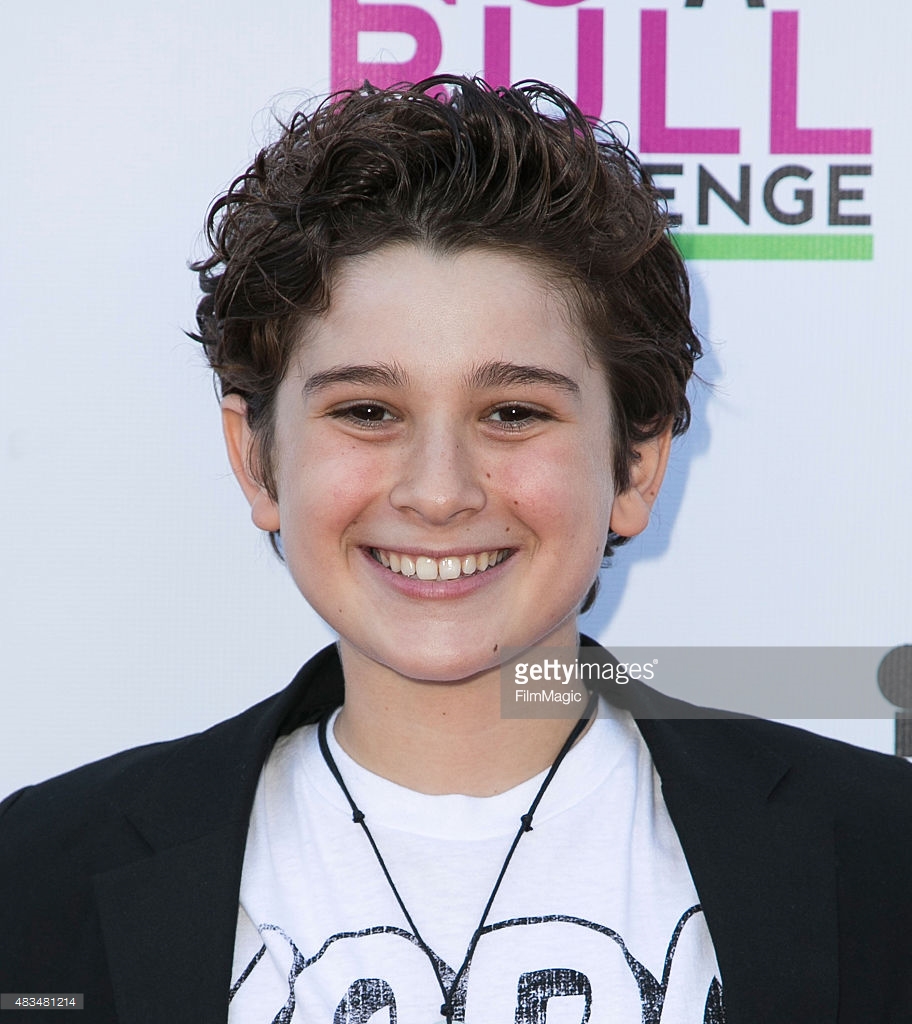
(138, 601)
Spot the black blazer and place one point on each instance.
(120, 880)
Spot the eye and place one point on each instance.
(515, 416)
(364, 414)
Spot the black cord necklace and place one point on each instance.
(447, 1008)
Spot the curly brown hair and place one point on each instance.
(451, 164)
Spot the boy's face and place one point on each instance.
(441, 415)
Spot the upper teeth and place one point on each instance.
(449, 568)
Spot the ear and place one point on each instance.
(240, 444)
(631, 509)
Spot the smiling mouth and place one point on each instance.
(451, 567)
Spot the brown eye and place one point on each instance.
(513, 413)
(366, 415)
(368, 412)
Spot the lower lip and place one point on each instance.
(433, 590)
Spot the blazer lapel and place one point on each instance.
(764, 866)
(169, 923)
(762, 858)
(169, 918)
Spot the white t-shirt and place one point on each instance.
(597, 919)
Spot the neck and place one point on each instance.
(438, 737)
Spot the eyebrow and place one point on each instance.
(492, 374)
(496, 374)
(389, 375)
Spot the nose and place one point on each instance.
(439, 476)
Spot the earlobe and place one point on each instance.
(239, 442)
(632, 508)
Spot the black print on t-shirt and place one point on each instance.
(363, 999)
(534, 989)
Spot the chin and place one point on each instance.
(443, 667)
(451, 659)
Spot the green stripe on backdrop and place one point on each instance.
(774, 247)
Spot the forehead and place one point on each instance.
(434, 312)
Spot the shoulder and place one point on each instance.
(74, 816)
(55, 837)
(127, 813)
(865, 787)
(717, 749)
(700, 752)
(795, 781)
(227, 752)
(205, 775)
(726, 742)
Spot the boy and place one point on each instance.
(452, 340)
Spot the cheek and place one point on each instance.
(560, 489)
(324, 490)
